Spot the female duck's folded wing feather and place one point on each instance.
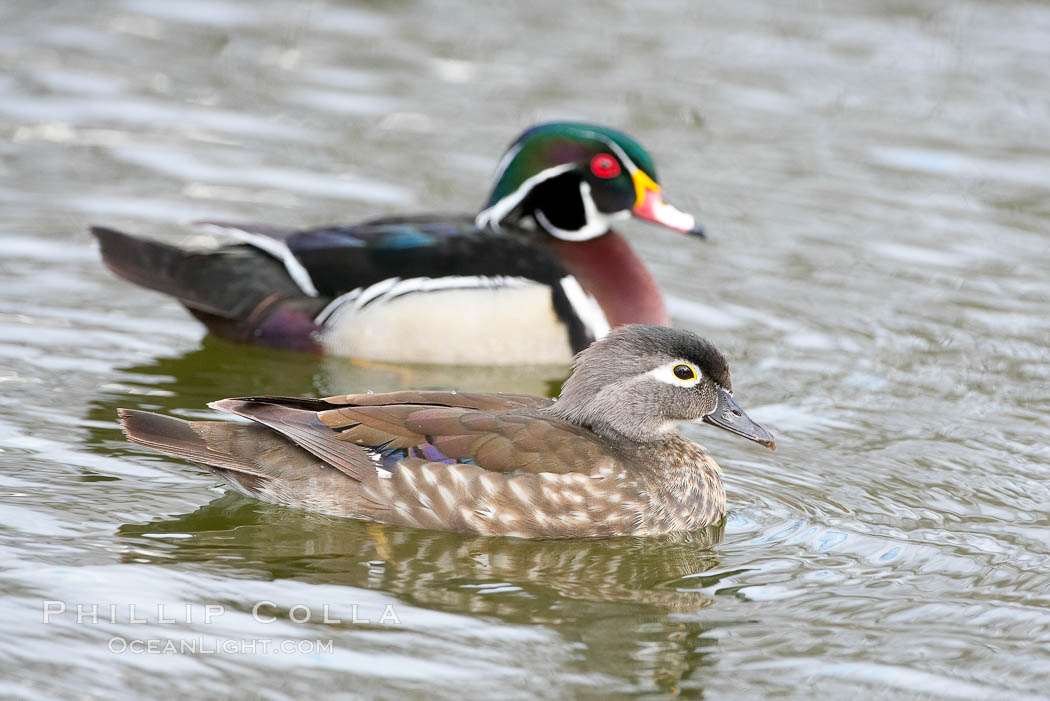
(501, 402)
(504, 437)
(516, 442)
(296, 420)
(251, 458)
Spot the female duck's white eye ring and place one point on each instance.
(680, 373)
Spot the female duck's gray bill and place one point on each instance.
(731, 417)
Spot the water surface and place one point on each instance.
(877, 187)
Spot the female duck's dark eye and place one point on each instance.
(605, 166)
(684, 372)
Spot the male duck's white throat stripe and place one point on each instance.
(492, 216)
(597, 222)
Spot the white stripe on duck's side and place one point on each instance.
(276, 248)
(457, 320)
(586, 307)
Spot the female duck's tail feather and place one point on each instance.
(251, 458)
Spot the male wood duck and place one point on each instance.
(533, 278)
(605, 459)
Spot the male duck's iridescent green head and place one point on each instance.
(575, 180)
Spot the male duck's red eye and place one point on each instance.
(605, 166)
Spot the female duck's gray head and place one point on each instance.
(575, 180)
(640, 382)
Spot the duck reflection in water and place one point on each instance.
(627, 601)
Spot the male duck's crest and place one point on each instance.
(603, 460)
(575, 180)
(478, 289)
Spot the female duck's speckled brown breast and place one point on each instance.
(605, 459)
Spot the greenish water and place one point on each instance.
(876, 183)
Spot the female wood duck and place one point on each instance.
(604, 459)
(533, 278)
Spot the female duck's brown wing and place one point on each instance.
(500, 402)
(507, 435)
(506, 469)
